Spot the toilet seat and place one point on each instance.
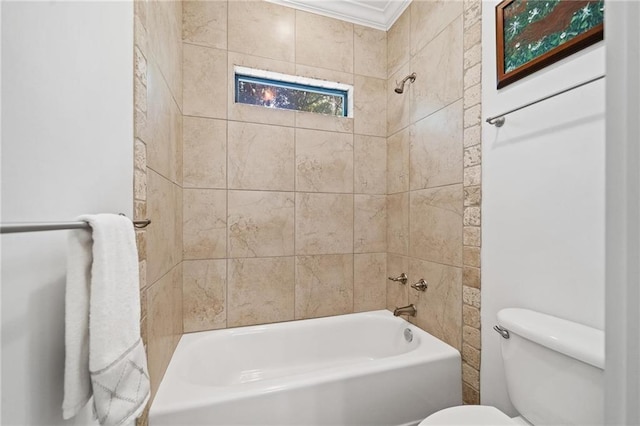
(480, 415)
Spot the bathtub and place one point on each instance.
(357, 369)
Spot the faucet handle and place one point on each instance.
(420, 285)
(402, 278)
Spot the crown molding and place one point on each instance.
(380, 14)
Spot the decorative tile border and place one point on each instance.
(140, 166)
(472, 217)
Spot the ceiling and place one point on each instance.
(379, 14)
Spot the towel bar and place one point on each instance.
(11, 228)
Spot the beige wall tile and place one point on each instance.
(324, 223)
(436, 149)
(205, 82)
(164, 24)
(262, 29)
(330, 123)
(439, 80)
(177, 313)
(370, 104)
(164, 128)
(439, 307)
(428, 18)
(140, 13)
(436, 224)
(398, 104)
(472, 156)
(141, 243)
(472, 176)
(471, 356)
(471, 317)
(205, 153)
(140, 185)
(471, 276)
(471, 256)
(473, 36)
(164, 323)
(472, 135)
(205, 223)
(370, 164)
(139, 155)
(471, 236)
(324, 74)
(398, 161)
(370, 227)
(397, 294)
(260, 157)
(369, 282)
(258, 114)
(205, 294)
(470, 376)
(205, 23)
(472, 195)
(324, 285)
(471, 336)
(370, 52)
(472, 12)
(398, 223)
(399, 43)
(324, 161)
(470, 395)
(261, 223)
(261, 290)
(162, 236)
(178, 237)
(324, 42)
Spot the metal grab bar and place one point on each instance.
(11, 228)
(499, 120)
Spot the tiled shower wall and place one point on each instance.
(433, 168)
(284, 212)
(158, 177)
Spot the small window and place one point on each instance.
(274, 90)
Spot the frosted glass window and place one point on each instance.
(272, 93)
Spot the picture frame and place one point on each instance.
(532, 34)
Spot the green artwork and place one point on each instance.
(535, 27)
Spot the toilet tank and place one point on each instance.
(554, 368)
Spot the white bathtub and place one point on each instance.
(353, 369)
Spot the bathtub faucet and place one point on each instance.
(405, 310)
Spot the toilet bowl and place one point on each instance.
(478, 415)
(554, 373)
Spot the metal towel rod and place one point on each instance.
(498, 120)
(11, 228)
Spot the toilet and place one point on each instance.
(554, 370)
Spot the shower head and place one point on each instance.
(400, 86)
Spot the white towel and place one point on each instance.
(104, 352)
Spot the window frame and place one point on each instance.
(312, 85)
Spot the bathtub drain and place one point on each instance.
(408, 335)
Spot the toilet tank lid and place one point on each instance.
(578, 341)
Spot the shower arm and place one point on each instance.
(400, 86)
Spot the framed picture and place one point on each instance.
(532, 34)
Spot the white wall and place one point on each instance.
(622, 368)
(543, 199)
(67, 148)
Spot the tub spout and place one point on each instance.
(405, 310)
